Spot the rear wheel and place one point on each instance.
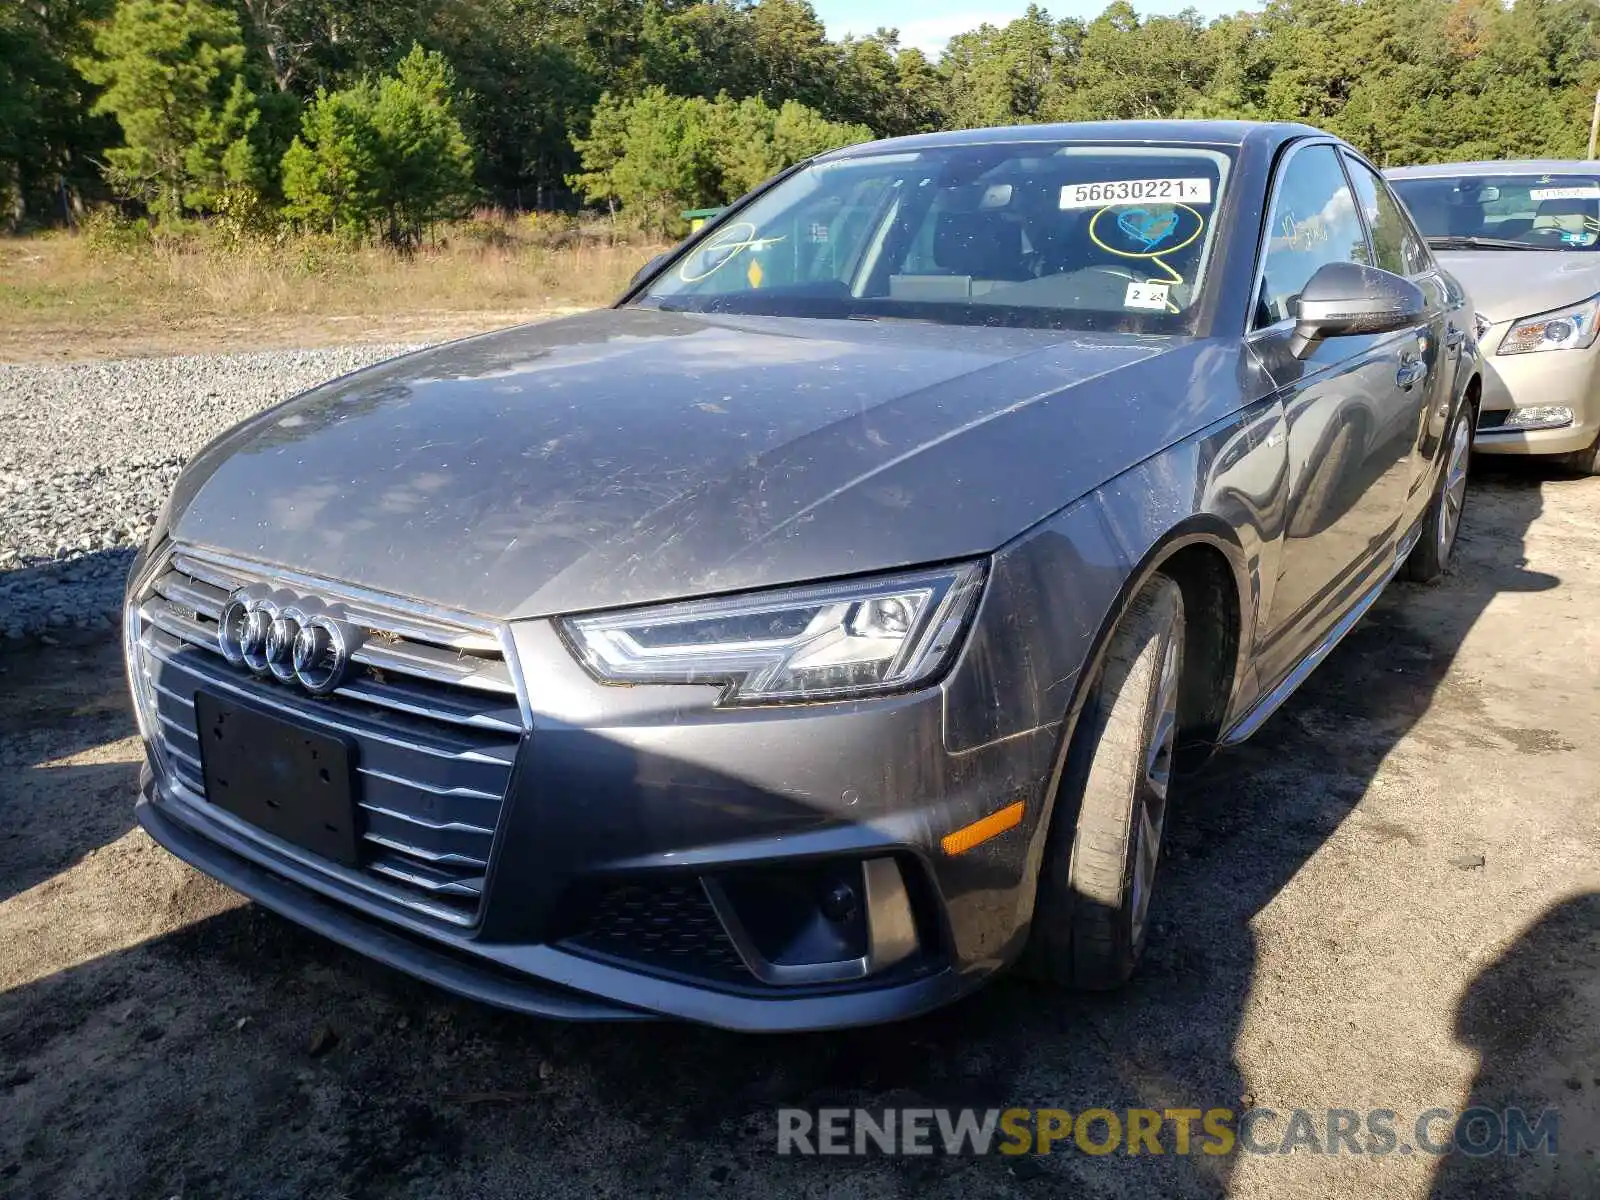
(1091, 916)
(1431, 555)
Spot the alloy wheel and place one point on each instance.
(1152, 810)
(1455, 485)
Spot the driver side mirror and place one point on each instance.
(1344, 298)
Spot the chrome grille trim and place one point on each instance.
(438, 666)
(394, 739)
(506, 720)
(408, 618)
(172, 613)
(190, 798)
(187, 759)
(433, 857)
(410, 873)
(460, 826)
(435, 707)
(428, 787)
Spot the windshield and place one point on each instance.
(1102, 237)
(1543, 211)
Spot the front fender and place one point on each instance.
(1055, 595)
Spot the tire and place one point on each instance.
(1442, 522)
(1091, 913)
(1581, 462)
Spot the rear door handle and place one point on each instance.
(1453, 339)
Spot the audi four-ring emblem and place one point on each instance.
(297, 639)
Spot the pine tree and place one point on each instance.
(387, 153)
(171, 70)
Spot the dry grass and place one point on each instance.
(74, 296)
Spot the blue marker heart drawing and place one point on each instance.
(1148, 228)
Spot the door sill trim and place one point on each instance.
(1257, 716)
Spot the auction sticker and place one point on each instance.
(1587, 191)
(1136, 191)
(1146, 295)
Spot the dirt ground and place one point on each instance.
(1390, 897)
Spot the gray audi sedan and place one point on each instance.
(830, 623)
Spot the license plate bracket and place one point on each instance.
(291, 781)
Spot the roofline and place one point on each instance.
(1164, 132)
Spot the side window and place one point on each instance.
(1395, 244)
(1313, 221)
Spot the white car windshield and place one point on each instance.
(1532, 211)
(1106, 237)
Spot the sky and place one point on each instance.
(927, 24)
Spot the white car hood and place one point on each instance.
(1507, 284)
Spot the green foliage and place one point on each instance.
(657, 105)
(107, 231)
(1135, 69)
(385, 155)
(330, 172)
(243, 215)
(660, 154)
(1011, 75)
(653, 154)
(47, 131)
(424, 160)
(171, 74)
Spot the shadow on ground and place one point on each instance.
(82, 593)
(59, 705)
(1530, 1017)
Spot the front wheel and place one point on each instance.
(1091, 914)
(1431, 555)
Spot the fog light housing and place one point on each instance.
(821, 922)
(1538, 416)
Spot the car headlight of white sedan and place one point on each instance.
(1570, 328)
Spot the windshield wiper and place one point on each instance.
(1482, 243)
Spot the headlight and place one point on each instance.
(813, 643)
(1564, 329)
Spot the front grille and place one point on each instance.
(667, 926)
(431, 705)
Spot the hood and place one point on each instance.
(1506, 284)
(632, 455)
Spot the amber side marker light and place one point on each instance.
(968, 836)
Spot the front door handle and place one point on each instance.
(1411, 369)
(1453, 339)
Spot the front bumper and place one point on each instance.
(532, 979)
(1561, 377)
(655, 792)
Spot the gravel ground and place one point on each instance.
(88, 452)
